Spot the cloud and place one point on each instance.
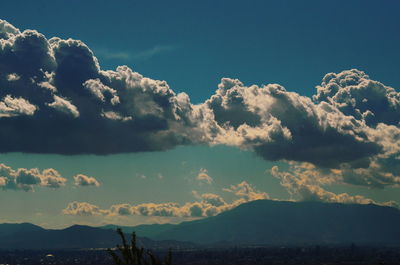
(55, 98)
(213, 199)
(7, 30)
(61, 93)
(138, 55)
(64, 106)
(170, 209)
(278, 124)
(247, 192)
(83, 209)
(203, 176)
(207, 204)
(142, 176)
(334, 130)
(113, 55)
(305, 181)
(13, 77)
(27, 179)
(355, 94)
(52, 178)
(83, 180)
(157, 49)
(12, 107)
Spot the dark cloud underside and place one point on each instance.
(55, 98)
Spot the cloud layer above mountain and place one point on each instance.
(55, 98)
(207, 204)
(305, 182)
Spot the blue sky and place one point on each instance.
(287, 42)
(192, 45)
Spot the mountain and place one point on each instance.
(74, 237)
(267, 222)
(145, 230)
(7, 229)
(262, 222)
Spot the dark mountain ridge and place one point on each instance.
(73, 237)
(7, 229)
(262, 222)
(282, 222)
(267, 222)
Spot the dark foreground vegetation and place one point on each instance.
(230, 256)
(129, 253)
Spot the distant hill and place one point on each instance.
(7, 229)
(290, 223)
(28, 236)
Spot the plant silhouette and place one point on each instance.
(131, 254)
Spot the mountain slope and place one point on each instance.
(74, 237)
(7, 229)
(279, 222)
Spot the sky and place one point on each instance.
(131, 112)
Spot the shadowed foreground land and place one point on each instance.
(231, 256)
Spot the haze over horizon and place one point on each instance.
(261, 100)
